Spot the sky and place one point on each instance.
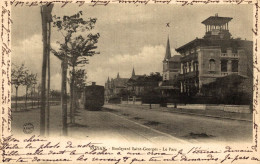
(130, 36)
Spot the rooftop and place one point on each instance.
(216, 20)
(175, 58)
(216, 43)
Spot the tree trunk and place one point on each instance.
(64, 98)
(38, 98)
(26, 95)
(32, 97)
(76, 99)
(71, 102)
(16, 96)
(72, 110)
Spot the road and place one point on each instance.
(128, 124)
(94, 125)
(188, 127)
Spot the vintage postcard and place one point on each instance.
(129, 81)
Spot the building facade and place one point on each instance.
(171, 64)
(171, 71)
(135, 84)
(215, 55)
(114, 86)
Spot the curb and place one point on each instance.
(197, 114)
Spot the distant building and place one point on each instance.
(135, 84)
(215, 55)
(114, 86)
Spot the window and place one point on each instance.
(212, 65)
(184, 68)
(234, 50)
(234, 65)
(224, 65)
(196, 66)
(223, 50)
(165, 76)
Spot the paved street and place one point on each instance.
(128, 124)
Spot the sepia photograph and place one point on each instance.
(132, 73)
(129, 82)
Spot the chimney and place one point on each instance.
(93, 83)
(216, 15)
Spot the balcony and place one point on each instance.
(190, 57)
(228, 73)
(232, 55)
(188, 75)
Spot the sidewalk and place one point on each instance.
(205, 113)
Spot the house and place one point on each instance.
(114, 86)
(217, 54)
(136, 84)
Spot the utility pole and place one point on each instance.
(48, 84)
(64, 96)
(46, 19)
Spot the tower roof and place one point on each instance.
(133, 72)
(118, 75)
(175, 58)
(168, 50)
(108, 79)
(216, 20)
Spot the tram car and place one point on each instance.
(93, 97)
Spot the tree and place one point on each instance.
(55, 94)
(80, 79)
(38, 94)
(79, 83)
(76, 47)
(17, 76)
(29, 81)
(155, 77)
(32, 94)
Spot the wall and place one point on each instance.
(206, 55)
(242, 63)
(226, 108)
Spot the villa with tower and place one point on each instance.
(216, 55)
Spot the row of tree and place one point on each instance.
(77, 44)
(20, 76)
